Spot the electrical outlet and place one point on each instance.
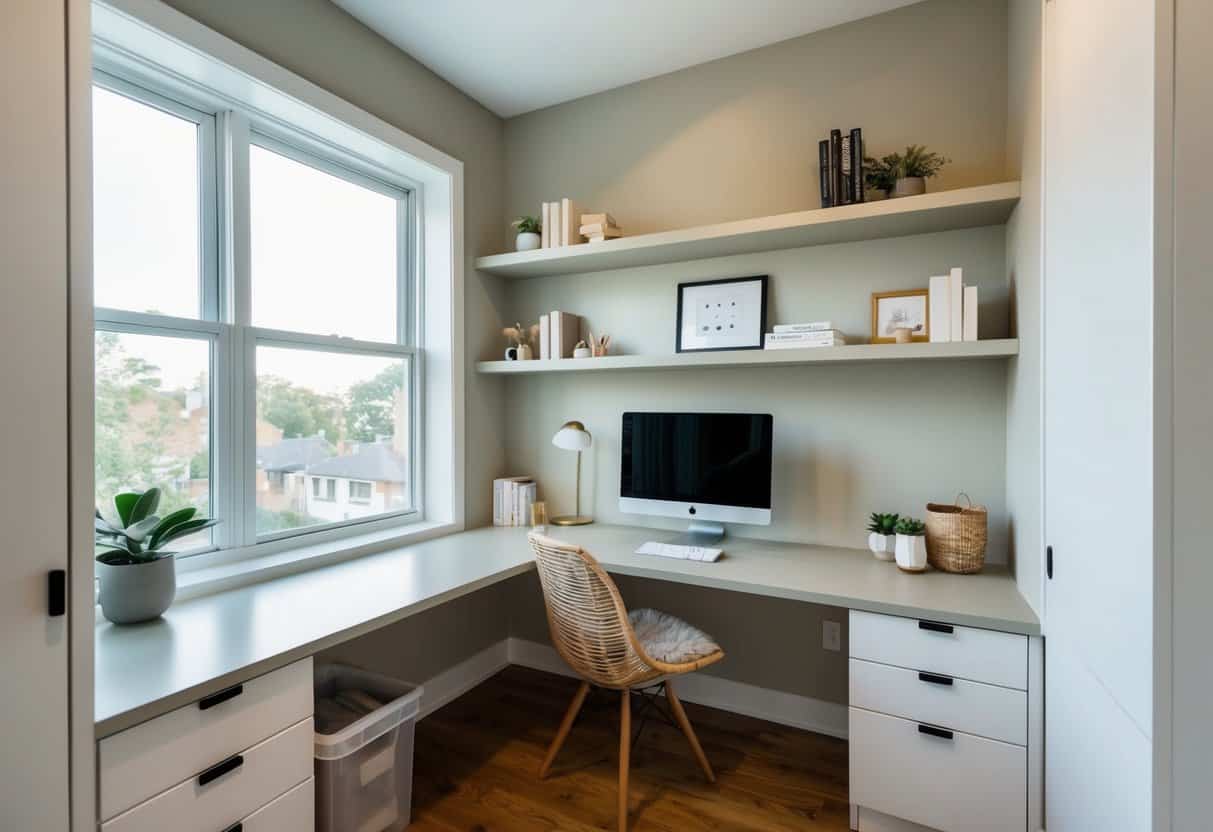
(831, 636)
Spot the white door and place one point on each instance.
(33, 416)
(1099, 448)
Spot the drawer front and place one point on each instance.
(989, 711)
(268, 770)
(966, 652)
(961, 784)
(295, 811)
(143, 761)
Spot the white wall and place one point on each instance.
(1024, 230)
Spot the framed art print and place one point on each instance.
(729, 314)
(896, 310)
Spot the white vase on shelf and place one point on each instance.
(527, 241)
(911, 552)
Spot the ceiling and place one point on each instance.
(521, 56)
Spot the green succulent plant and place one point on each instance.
(882, 523)
(528, 225)
(140, 535)
(910, 526)
(877, 175)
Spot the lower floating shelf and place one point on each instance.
(858, 353)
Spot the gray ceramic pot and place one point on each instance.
(910, 186)
(136, 592)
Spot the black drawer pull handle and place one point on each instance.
(219, 769)
(222, 696)
(235, 827)
(935, 627)
(935, 679)
(931, 730)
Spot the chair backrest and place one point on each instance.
(587, 617)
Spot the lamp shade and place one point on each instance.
(572, 436)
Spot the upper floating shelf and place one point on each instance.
(999, 348)
(942, 211)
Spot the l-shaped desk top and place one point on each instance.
(207, 643)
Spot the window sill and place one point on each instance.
(206, 580)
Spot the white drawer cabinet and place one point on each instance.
(946, 780)
(973, 707)
(938, 726)
(965, 652)
(240, 757)
(135, 764)
(229, 791)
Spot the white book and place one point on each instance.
(956, 304)
(795, 337)
(554, 211)
(970, 313)
(545, 233)
(545, 336)
(815, 326)
(570, 222)
(939, 315)
(565, 331)
(802, 345)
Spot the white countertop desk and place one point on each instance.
(208, 643)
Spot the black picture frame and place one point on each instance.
(762, 280)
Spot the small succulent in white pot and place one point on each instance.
(882, 535)
(529, 230)
(911, 547)
(138, 575)
(905, 174)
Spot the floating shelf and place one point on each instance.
(942, 211)
(858, 353)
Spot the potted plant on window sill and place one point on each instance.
(138, 577)
(529, 230)
(911, 545)
(881, 540)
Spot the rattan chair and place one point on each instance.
(593, 632)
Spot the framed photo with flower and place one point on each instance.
(892, 311)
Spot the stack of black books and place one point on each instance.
(841, 158)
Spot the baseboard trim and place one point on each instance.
(790, 709)
(455, 681)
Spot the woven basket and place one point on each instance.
(956, 536)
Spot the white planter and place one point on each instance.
(582, 352)
(909, 186)
(135, 592)
(911, 552)
(882, 545)
(527, 241)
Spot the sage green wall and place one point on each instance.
(737, 137)
(320, 42)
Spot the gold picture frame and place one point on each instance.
(915, 314)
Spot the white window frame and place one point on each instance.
(370, 492)
(152, 46)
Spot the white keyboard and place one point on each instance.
(673, 550)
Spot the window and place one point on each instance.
(253, 305)
(360, 492)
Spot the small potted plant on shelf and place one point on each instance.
(529, 229)
(878, 179)
(881, 540)
(138, 577)
(911, 547)
(911, 170)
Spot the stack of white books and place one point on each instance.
(512, 500)
(599, 227)
(801, 336)
(561, 224)
(952, 308)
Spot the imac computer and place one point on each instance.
(711, 468)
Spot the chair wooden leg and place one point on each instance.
(685, 724)
(566, 725)
(625, 752)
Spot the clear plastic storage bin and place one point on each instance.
(364, 767)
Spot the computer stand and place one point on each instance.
(699, 533)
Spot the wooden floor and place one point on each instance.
(476, 762)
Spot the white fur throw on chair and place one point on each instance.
(669, 639)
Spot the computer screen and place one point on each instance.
(705, 459)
